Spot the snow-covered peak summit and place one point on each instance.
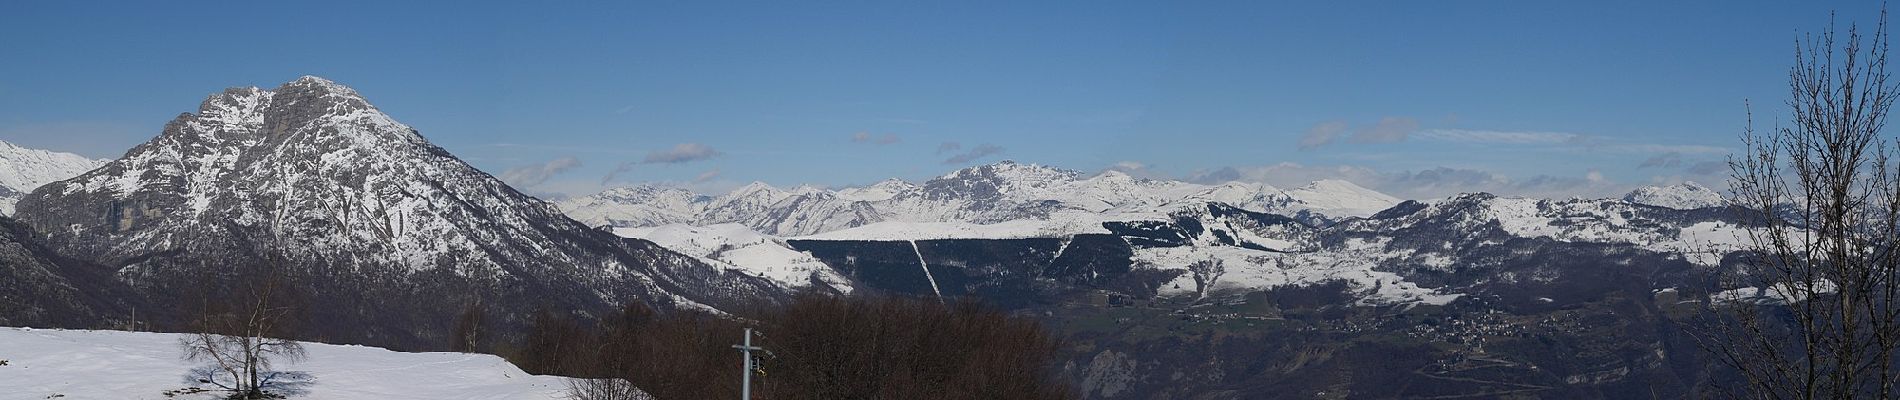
(1004, 179)
(756, 189)
(1682, 196)
(1342, 195)
(881, 191)
(1012, 171)
(648, 192)
(23, 169)
(313, 82)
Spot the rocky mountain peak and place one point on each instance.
(313, 175)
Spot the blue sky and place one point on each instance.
(1414, 98)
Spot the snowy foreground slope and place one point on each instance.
(81, 364)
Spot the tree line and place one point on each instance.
(818, 347)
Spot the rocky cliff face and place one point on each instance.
(359, 208)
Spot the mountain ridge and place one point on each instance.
(984, 194)
(24, 169)
(310, 179)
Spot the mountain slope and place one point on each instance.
(41, 288)
(310, 180)
(23, 169)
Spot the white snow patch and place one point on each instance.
(1017, 229)
(735, 246)
(83, 364)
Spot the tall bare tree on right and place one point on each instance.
(1820, 317)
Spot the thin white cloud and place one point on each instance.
(947, 147)
(1671, 148)
(867, 137)
(1135, 169)
(624, 167)
(1430, 183)
(1388, 130)
(1322, 134)
(975, 153)
(681, 153)
(1588, 142)
(707, 176)
(1473, 136)
(533, 175)
(565, 149)
(1708, 168)
(1664, 160)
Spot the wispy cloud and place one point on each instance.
(1670, 148)
(624, 167)
(1579, 141)
(1708, 168)
(566, 149)
(947, 147)
(975, 153)
(707, 176)
(681, 153)
(867, 137)
(1430, 183)
(533, 175)
(1322, 134)
(1504, 137)
(1135, 169)
(1664, 160)
(1388, 130)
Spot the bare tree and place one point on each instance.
(1816, 315)
(604, 389)
(469, 328)
(240, 341)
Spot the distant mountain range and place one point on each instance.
(23, 169)
(988, 194)
(1175, 224)
(1330, 288)
(1162, 288)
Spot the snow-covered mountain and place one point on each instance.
(738, 247)
(23, 169)
(81, 364)
(1005, 192)
(1683, 196)
(1265, 237)
(310, 180)
(638, 206)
